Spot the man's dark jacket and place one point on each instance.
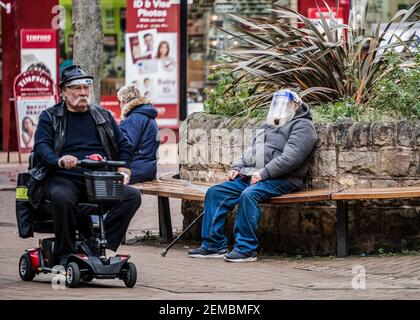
(47, 153)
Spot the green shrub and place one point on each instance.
(395, 95)
(228, 99)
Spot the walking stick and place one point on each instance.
(165, 251)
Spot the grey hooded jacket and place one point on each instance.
(282, 152)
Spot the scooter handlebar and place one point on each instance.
(116, 163)
(87, 163)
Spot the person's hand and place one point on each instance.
(67, 162)
(232, 174)
(126, 173)
(256, 177)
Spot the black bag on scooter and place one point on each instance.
(24, 208)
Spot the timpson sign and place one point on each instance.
(38, 38)
(34, 83)
(39, 51)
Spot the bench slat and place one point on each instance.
(377, 193)
(197, 192)
(304, 196)
(162, 189)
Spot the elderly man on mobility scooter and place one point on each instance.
(67, 133)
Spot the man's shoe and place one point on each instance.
(235, 256)
(206, 254)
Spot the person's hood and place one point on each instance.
(146, 109)
(126, 109)
(303, 112)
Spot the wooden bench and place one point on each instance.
(181, 189)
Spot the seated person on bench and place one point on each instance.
(276, 164)
(67, 132)
(142, 132)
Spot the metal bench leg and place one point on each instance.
(342, 229)
(165, 224)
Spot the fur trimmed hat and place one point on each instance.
(130, 97)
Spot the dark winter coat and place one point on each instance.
(142, 132)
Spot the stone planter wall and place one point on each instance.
(347, 154)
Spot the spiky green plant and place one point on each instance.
(324, 64)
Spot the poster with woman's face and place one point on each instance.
(28, 116)
(156, 71)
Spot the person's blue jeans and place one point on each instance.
(221, 199)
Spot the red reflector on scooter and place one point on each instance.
(95, 157)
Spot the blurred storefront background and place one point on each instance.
(206, 19)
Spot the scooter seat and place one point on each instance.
(43, 216)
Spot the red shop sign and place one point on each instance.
(34, 91)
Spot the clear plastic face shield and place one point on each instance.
(283, 107)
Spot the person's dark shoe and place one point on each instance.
(235, 256)
(206, 254)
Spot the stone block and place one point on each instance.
(343, 134)
(321, 183)
(397, 162)
(322, 132)
(326, 163)
(384, 183)
(411, 182)
(350, 180)
(405, 134)
(359, 163)
(360, 135)
(382, 134)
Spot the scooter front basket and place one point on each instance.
(104, 186)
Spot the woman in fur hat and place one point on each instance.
(140, 128)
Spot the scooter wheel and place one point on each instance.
(26, 272)
(130, 278)
(72, 275)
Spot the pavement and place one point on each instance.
(177, 277)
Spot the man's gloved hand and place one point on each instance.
(232, 174)
(126, 173)
(256, 177)
(67, 162)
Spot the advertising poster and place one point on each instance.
(39, 51)
(152, 55)
(34, 92)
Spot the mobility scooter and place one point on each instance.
(87, 263)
